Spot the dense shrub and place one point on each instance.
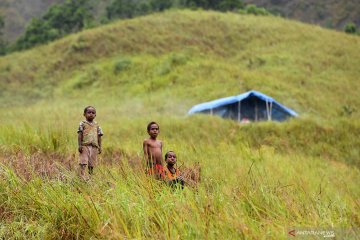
(253, 9)
(121, 64)
(350, 28)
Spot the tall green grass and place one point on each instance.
(258, 181)
(333, 140)
(244, 194)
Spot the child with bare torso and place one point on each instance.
(153, 151)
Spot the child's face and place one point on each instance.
(90, 114)
(171, 158)
(154, 130)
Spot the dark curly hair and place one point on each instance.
(151, 123)
(85, 109)
(167, 153)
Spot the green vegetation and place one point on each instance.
(257, 180)
(350, 28)
(129, 9)
(60, 20)
(18, 14)
(253, 9)
(2, 41)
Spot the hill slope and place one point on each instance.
(302, 66)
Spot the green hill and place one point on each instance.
(302, 66)
(258, 180)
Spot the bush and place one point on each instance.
(350, 28)
(121, 64)
(253, 9)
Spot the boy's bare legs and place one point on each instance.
(83, 172)
(92, 158)
(88, 159)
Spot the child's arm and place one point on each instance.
(99, 143)
(161, 147)
(100, 134)
(146, 161)
(80, 135)
(145, 149)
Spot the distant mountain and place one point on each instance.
(18, 13)
(326, 13)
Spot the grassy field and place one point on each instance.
(258, 181)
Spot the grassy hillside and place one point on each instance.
(307, 68)
(259, 181)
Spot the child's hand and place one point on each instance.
(99, 150)
(180, 178)
(80, 149)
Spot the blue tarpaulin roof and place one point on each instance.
(233, 99)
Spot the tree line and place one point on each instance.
(3, 45)
(75, 15)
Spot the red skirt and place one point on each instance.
(157, 170)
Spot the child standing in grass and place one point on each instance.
(171, 174)
(89, 140)
(153, 151)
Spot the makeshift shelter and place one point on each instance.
(249, 106)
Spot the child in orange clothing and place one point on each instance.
(172, 175)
